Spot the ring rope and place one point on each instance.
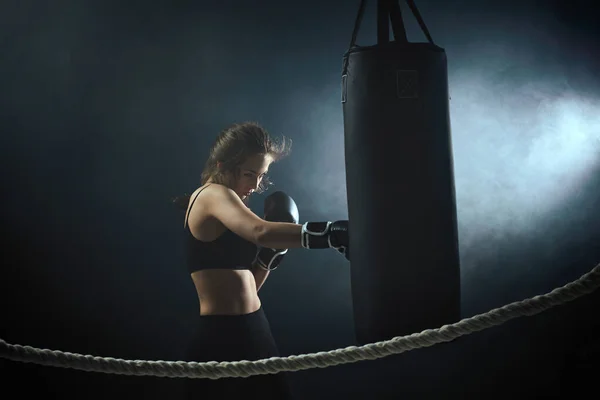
(587, 283)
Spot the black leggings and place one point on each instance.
(234, 338)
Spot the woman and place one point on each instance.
(227, 249)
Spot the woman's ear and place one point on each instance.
(219, 164)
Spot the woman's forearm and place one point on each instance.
(280, 235)
(260, 276)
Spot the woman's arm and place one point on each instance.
(260, 275)
(223, 204)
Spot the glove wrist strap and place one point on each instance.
(273, 262)
(315, 235)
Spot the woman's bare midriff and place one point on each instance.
(226, 291)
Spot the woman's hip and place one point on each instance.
(229, 306)
(232, 337)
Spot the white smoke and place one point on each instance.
(523, 144)
(319, 123)
(522, 147)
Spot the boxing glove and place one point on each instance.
(278, 207)
(323, 235)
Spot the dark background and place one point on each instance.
(107, 110)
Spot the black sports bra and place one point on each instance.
(228, 251)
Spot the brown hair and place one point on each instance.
(232, 148)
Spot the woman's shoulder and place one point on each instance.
(212, 187)
(210, 191)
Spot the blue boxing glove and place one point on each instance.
(279, 207)
(323, 235)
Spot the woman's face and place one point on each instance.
(250, 175)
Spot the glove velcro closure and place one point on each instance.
(269, 259)
(315, 235)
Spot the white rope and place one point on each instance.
(587, 283)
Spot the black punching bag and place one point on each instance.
(405, 267)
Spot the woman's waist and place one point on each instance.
(223, 276)
(225, 285)
(229, 306)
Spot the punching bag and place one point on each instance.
(405, 267)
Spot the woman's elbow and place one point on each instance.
(278, 235)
